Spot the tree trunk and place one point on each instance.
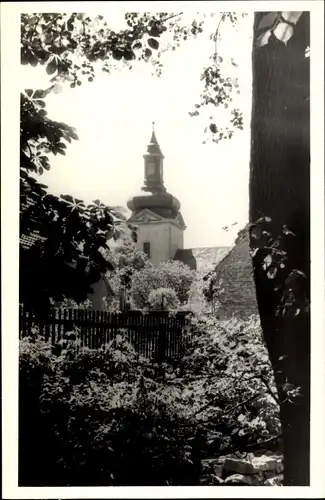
(279, 205)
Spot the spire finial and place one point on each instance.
(153, 126)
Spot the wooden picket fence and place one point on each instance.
(156, 335)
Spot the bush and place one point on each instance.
(228, 371)
(102, 417)
(110, 417)
(163, 299)
(173, 275)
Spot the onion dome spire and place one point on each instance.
(153, 147)
(155, 197)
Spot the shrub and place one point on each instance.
(110, 417)
(163, 299)
(227, 370)
(174, 275)
(102, 417)
(72, 304)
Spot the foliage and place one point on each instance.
(275, 26)
(71, 304)
(126, 259)
(127, 255)
(271, 246)
(212, 288)
(72, 236)
(73, 46)
(220, 89)
(102, 417)
(173, 275)
(70, 44)
(113, 407)
(111, 304)
(228, 373)
(163, 299)
(72, 249)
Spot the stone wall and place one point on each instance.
(253, 470)
(236, 272)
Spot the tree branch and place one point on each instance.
(172, 16)
(233, 408)
(269, 390)
(250, 446)
(216, 35)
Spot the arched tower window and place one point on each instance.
(146, 248)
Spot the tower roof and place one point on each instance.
(154, 196)
(153, 147)
(153, 139)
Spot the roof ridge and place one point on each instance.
(220, 261)
(212, 248)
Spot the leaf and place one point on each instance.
(283, 32)
(73, 134)
(57, 88)
(32, 19)
(292, 17)
(117, 54)
(137, 45)
(153, 43)
(67, 197)
(272, 273)
(268, 20)
(40, 103)
(29, 92)
(70, 25)
(263, 39)
(79, 202)
(267, 261)
(40, 94)
(256, 232)
(51, 67)
(287, 231)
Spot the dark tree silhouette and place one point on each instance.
(280, 230)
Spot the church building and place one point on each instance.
(156, 212)
(160, 232)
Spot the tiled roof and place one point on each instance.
(203, 259)
(186, 256)
(242, 237)
(207, 258)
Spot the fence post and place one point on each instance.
(155, 333)
(161, 343)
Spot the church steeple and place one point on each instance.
(153, 146)
(156, 199)
(154, 166)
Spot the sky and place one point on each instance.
(113, 116)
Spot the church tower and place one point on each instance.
(155, 212)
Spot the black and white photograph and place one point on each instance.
(165, 267)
